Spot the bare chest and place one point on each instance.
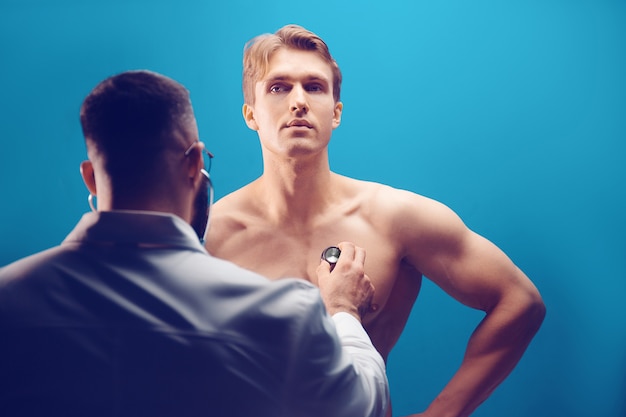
(277, 253)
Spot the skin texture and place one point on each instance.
(279, 224)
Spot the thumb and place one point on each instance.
(323, 269)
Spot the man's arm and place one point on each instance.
(347, 293)
(478, 274)
(369, 365)
(340, 373)
(336, 370)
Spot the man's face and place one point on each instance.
(294, 111)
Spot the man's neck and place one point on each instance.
(296, 191)
(156, 204)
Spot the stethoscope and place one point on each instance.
(331, 255)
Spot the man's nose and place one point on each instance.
(298, 99)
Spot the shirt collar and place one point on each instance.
(138, 228)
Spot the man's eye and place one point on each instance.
(315, 88)
(278, 88)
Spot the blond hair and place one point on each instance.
(258, 52)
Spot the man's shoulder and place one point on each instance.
(398, 211)
(230, 214)
(31, 278)
(32, 264)
(237, 201)
(385, 197)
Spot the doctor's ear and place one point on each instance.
(89, 177)
(248, 115)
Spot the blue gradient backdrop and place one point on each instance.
(513, 113)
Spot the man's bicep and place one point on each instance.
(474, 271)
(464, 264)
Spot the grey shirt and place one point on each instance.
(130, 316)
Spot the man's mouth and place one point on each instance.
(299, 123)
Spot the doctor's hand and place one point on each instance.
(347, 288)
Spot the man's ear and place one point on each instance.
(195, 161)
(248, 115)
(337, 114)
(89, 177)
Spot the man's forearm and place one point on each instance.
(494, 349)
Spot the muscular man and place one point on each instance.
(278, 224)
(130, 316)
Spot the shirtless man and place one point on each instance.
(279, 224)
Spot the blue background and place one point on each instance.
(512, 113)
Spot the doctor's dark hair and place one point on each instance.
(131, 120)
(258, 52)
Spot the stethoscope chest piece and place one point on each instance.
(331, 254)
